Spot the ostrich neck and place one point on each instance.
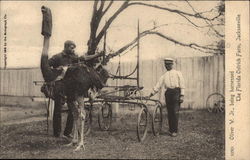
(45, 46)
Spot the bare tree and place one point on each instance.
(101, 7)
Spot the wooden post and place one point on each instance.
(116, 106)
(50, 116)
(138, 53)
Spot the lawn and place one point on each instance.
(201, 136)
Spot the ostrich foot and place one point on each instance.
(70, 144)
(79, 147)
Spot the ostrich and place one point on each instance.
(78, 81)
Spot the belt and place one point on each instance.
(173, 88)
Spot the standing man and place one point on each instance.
(60, 60)
(173, 82)
(53, 70)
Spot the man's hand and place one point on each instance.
(150, 95)
(60, 68)
(181, 98)
(101, 53)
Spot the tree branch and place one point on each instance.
(109, 5)
(94, 8)
(142, 34)
(110, 20)
(97, 16)
(171, 10)
(191, 21)
(207, 22)
(204, 49)
(95, 21)
(191, 45)
(184, 14)
(102, 5)
(198, 26)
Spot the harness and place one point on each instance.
(48, 89)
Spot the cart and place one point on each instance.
(131, 99)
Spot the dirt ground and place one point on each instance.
(201, 136)
(16, 115)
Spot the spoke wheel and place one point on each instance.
(142, 124)
(215, 103)
(157, 120)
(105, 116)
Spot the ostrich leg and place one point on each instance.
(75, 112)
(75, 123)
(79, 115)
(80, 122)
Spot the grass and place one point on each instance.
(201, 136)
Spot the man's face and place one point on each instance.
(70, 49)
(168, 66)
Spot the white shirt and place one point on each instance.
(171, 79)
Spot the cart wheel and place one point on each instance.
(215, 103)
(88, 120)
(142, 124)
(105, 116)
(157, 120)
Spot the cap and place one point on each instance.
(68, 43)
(168, 60)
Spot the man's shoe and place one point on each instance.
(169, 133)
(67, 136)
(174, 134)
(57, 135)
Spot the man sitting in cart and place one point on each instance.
(173, 82)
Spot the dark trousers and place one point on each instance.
(172, 97)
(57, 117)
